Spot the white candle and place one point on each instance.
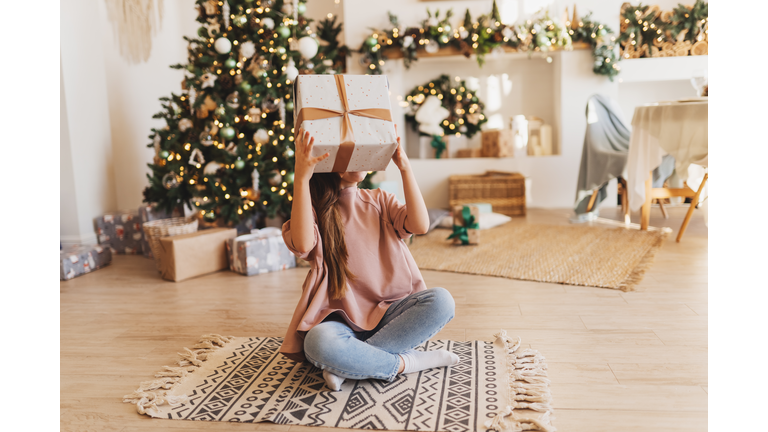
(546, 139)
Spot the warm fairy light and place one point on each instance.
(239, 211)
(274, 159)
(198, 167)
(226, 196)
(187, 146)
(282, 172)
(265, 202)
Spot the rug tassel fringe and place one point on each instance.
(528, 388)
(152, 394)
(646, 262)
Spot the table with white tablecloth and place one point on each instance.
(676, 128)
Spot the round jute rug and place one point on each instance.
(575, 255)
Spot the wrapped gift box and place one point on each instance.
(466, 219)
(497, 143)
(482, 207)
(149, 213)
(469, 153)
(349, 117)
(427, 151)
(120, 231)
(262, 251)
(189, 255)
(77, 260)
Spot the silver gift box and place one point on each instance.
(77, 260)
(262, 251)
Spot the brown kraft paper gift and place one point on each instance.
(497, 143)
(188, 255)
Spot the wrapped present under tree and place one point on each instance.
(262, 251)
(77, 260)
(120, 231)
(189, 255)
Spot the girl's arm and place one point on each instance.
(417, 220)
(301, 210)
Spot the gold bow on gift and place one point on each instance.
(347, 145)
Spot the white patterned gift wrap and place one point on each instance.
(120, 231)
(77, 260)
(375, 139)
(262, 251)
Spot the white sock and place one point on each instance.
(333, 382)
(420, 360)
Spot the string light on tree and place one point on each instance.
(229, 123)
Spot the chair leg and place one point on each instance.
(645, 211)
(663, 210)
(624, 201)
(592, 200)
(694, 202)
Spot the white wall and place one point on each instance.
(107, 108)
(557, 92)
(133, 90)
(86, 116)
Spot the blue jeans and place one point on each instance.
(408, 323)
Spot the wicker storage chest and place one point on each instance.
(505, 191)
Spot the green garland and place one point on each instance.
(693, 21)
(646, 31)
(464, 107)
(605, 50)
(485, 35)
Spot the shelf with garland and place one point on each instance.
(451, 51)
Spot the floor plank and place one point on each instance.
(627, 361)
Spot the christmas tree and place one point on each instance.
(226, 149)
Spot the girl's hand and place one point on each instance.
(399, 157)
(305, 163)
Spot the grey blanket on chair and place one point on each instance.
(606, 147)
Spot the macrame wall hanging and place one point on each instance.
(134, 23)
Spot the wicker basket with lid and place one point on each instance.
(505, 191)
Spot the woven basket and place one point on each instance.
(505, 191)
(154, 230)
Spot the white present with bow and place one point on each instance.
(349, 117)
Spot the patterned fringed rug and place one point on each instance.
(496, 386)
(575, 255)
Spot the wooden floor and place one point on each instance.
(618, 361)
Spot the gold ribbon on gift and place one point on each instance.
(347, 145)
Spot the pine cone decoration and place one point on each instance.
(225, 82)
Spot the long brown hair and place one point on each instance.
(324, 191)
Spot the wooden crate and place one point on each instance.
(505, 191)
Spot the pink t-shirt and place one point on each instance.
(374, 226)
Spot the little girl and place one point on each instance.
(364, 305)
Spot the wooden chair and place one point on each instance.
(622, 193)
(652, 193)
